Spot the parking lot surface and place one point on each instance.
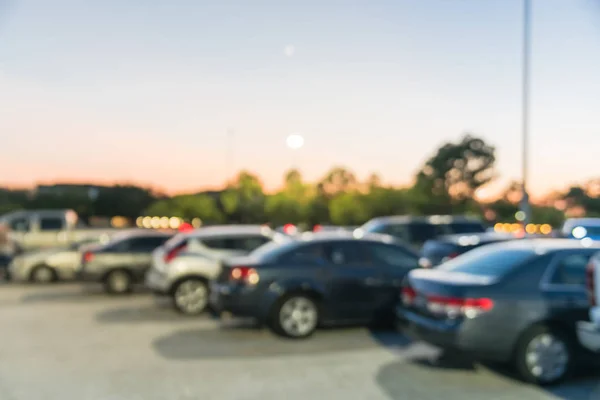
(66, 342)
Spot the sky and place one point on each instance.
(180, 94)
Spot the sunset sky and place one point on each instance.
(146, 91)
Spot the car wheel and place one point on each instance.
(190, 296)
(296, 316)
(118, 282)
(43, 274)
(544, 356)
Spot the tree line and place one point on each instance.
(445, 184)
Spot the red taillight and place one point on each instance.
(408, 295)
(456, 306)
(317, 228)
(171, 254)
(590, 283)
(452, 255)
(244, 274)
(88, 256)
(451, 307)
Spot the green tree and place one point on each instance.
(459, 169)
(244, 200)
(338, 180)
(348, 209)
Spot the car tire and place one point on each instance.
(553, 346)
(43, 274)
(295, 316)
(118, 281)
(190, 296)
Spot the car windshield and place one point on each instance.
(491, 261)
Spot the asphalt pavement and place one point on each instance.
(65, 341)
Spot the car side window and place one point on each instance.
(570, 270)
(394, 256)
(147, 244)
(20, 225)
(304, 254)
(215, 243)
(397, 230)
(247, 243)
(422, 232)
(51, 224)
(349, 254)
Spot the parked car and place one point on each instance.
(320, 279)
(417, 230)
(588, 331)
(122, 262)
(580, 228)
(34, 229)
(447, 247)
(50, 264)
(183, 267)
(4, 263)
(517, 301)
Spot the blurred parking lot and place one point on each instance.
(66, 342)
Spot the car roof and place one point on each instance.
(572, 222)
(135, 232)
(225, 230)
(546, 245)
(431, 219)
(332, 236)
(474, 238)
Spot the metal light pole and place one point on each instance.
(525, 206)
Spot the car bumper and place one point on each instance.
(238, 300)
(588, 333)
(460, 335)
(157, 282)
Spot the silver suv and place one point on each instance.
(183, 267)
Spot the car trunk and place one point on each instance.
(228, 264)
(432, 289)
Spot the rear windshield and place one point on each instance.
(492, 261)
(272, 249)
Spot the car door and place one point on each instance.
(563, 286)
(354, 281)
(140, 252)
(396, 262)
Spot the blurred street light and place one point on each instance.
(295, 143)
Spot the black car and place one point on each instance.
(418, 230)
(122, 262)
(447, 247)
(326, 279)
(517, 302)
